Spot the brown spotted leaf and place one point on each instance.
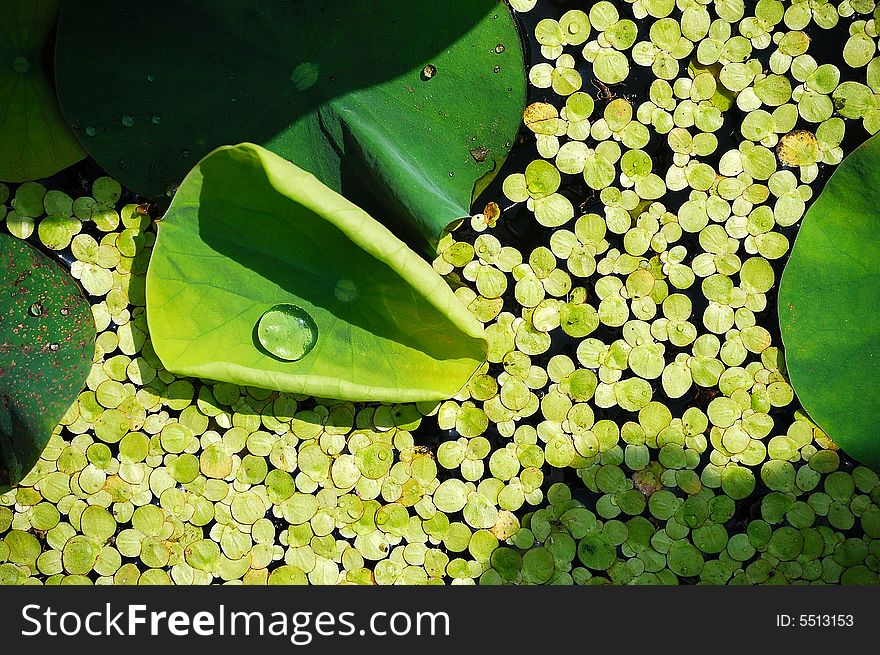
(47, 339)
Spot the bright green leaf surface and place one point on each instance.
(35, 142)
(828, 307)
(247, 231)
(46, 345)
(410, 107)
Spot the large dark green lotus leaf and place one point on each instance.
(829, 307)
(248, 231)
(339, 87)
(35, 141)
(47, 339)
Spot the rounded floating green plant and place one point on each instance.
(263, 276)
(46, 345)
(411, 106)
(828, 307)
(35, 141)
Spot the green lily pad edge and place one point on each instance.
(35, 140)
(829, 311)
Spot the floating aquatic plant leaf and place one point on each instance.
(35, 141)
(46, 345)
(411, 106)
(263, 276)
(828, 306)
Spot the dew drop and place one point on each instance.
(65, 311)
(305, 76)
(53, 347)
(150, 78)
(428, 72)
(346, 290)
(288, 332)
(157, 120)
(36, 309)
(91, 131)
(500, 48)
(128, 120)
(21, 65)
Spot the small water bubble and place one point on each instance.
(21, 65)
(451, 173)
(305, 76)
(65, 311)
(91, 131)
(128, 120)
(428, 72)
(184, 153)
(53, 347)
(500, 48)
(287, 331)
(497, 69)
(151, 78)
(346, 290)
(36, 309)
(157, 120)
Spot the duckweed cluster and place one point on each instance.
(633, 423)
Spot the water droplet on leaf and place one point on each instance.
(128, 120)
(304, 76)
(288, 332)
(91, 131)
(346, 290)
(428, 72)
(36, 309)
(21, 65)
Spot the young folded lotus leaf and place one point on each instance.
(828, 307)
(408, 106)
(263, 276)
(35, 141)
(46, 345)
